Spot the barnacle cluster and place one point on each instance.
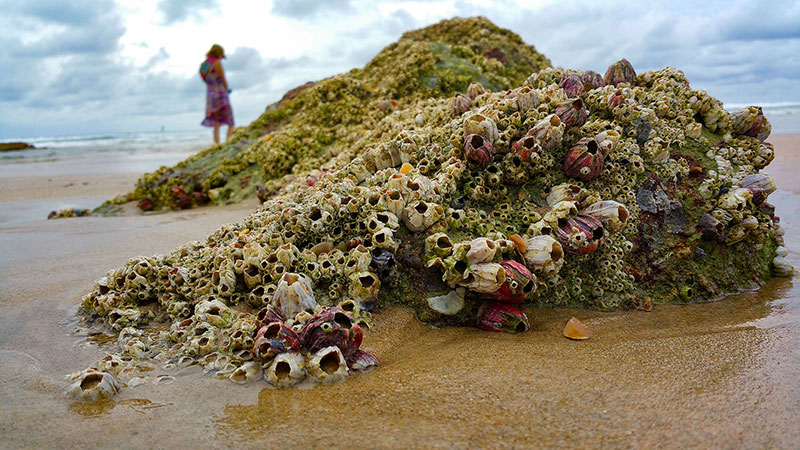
(318, 121)
(572, 189)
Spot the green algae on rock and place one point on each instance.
(318, 121)
(676, 213)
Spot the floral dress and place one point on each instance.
(218, 106)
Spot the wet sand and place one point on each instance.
(724, 374)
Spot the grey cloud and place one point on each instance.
(180, 10)
(64, 12)
(307, 9)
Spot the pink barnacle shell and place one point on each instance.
(584, 160)
(268, 315)
(519, 283)
(524, 147)
(615, 99)
(274, 339)
(592, 80)
(461, 104)
(332, 327)
(572, 112)
(478, 149)
(589, 226)
(495, 316)
(572, 83)
(620, 72)
(361, 360)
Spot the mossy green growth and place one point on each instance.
(319, 121)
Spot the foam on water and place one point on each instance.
(102, 153)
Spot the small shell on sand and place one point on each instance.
(576, 330)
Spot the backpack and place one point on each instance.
(205, 68)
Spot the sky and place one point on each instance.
(103, 66)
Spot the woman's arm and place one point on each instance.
(218, 68)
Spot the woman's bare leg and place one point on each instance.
(216, 134)
(230, 132)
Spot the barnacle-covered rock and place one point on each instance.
(246, 373)
(519, 282)
(500, 225)
(475, 89)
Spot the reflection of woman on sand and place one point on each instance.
(218, 106)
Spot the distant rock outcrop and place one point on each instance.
(10, 146)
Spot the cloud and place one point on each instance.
(307, 9)
(180, 10)
(71, 67)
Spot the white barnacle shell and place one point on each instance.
(481, 125)
(364, 285)
(548, 132)
(544, 255)
(693, 130)
(92, 385)
(438, 244)
(735, 200)
(614, 215)
(247, 372)
(562, 192)
(526, 98)
(214, 312)
(287, 369)
(481, 250)
(327, 365)
(750, 222)
(448, 304)
(782, 267)
(560, 211)
(395, 202)
(293, 295)
(384, 238)
(607, 140)
(484, 278)
(420, 215)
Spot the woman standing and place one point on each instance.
(218, 106)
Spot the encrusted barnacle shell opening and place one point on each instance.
(287, 369)
(584, 161)
(478, 149)
(328, 365)
(92, 385)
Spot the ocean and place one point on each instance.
(102, 153)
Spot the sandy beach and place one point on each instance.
(723, 374)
